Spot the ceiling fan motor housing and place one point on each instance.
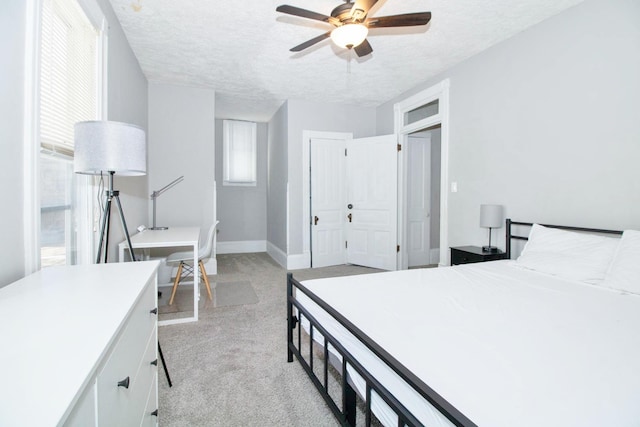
(343, 13)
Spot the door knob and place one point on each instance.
(315, 220)
(350, 217)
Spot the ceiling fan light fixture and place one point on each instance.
(349, 35)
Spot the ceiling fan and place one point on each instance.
(352, 24)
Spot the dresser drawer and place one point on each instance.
(150, 417)
(124, 362)
(144, 378)
(461, 257)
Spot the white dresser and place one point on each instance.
(78, 347)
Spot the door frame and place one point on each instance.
(440, 92)
(307, 136)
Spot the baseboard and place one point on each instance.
(290, 262)
(298, 261)
(277, 254)
(241, 247)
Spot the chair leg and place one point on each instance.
(206, 279)
(175, 283)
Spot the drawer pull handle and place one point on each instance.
(154, 311)
(155, 362)
(124, 383)
(155, 413)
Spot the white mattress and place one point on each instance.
(505, 346)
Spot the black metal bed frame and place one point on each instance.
(510, 235)
(346, 414)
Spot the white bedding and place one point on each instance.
(504, 345)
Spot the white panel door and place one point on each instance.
(419, 199)
(372, 177)
(328, 202)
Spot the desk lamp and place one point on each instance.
(155, 195)
(110, 147)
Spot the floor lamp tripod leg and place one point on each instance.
(103, 227)
(124, 227)
(108, 229)
(164, 365)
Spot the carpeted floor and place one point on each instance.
(230, 368)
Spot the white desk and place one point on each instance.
(171, 238)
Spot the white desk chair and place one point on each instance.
(184, 257)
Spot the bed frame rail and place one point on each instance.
(347, 414)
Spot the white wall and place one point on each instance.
(277, 179)
(314, 116)
(127, 101)
(181, 142)
(546, 123)
(13, 15)
(242, 211)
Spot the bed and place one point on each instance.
(549, 338)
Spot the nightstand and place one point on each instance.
(469, 254)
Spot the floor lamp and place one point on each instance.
(113, 148)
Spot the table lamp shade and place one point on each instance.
(491, 216)
(103, 146)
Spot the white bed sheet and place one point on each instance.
(505, 346)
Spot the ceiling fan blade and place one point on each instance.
(361, 8)
(406, 20)
(304, 13)
(311, 42)
(363, 48)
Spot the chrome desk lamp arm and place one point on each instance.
(155, 195)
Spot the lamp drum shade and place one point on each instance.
(491, 216)
(105, 146)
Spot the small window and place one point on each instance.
(424, 111)
(239, 153)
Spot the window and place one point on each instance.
(422, 112)
(68, 84)
(239, 153)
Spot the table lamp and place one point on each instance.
(110, 147)
(491, 216)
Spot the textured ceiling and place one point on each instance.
(241, 48)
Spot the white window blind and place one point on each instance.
(68, 73)
(69, 86)
(239, 153)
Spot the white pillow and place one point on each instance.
(568, 254)
(624, 273)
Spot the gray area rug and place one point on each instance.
(233, 293)
(230, 368)
(225, 294)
